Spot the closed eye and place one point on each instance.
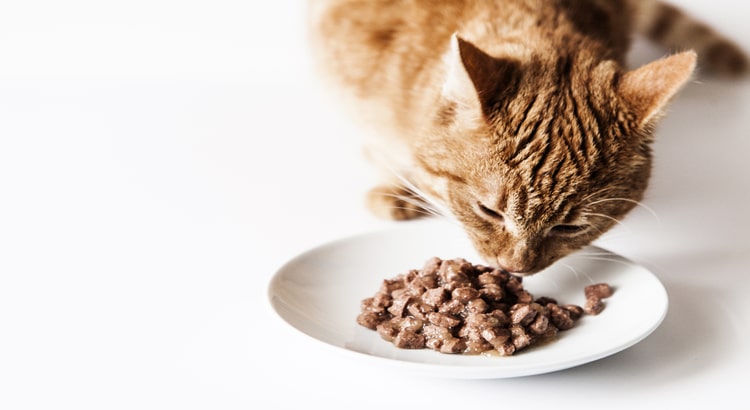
(567, 229)
(490, 212)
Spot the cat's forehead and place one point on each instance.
(551, 139)
(519, 192)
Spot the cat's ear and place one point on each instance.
(649, 89)
(475, 79)
(458, 86)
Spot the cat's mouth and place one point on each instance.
(519, 273)
(521, 269)
(515, 272)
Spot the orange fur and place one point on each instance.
(516, 117)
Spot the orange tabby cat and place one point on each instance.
(517, 117)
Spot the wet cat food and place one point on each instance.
(594, 295)
(453, 306)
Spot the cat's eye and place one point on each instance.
(567, 229)
(490, 212)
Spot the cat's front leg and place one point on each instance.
(395, 202)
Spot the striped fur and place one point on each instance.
(515, 117)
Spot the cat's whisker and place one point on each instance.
(606, 233)
(555, 283)
(612, 236)
(412, 200)
(583, 253)
(420, 205)
(433, 204)
(613, 259)
(576, 273)
(411, 187)
(601, 232)
(419, 211)
(434, 211)
(596, 193)
(615, 220)
(427, 203)
(632, 201)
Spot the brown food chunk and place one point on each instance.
(409, 339)
(443, 320)
(387, 330)
(523, 315)
(435, 297)
(418, 310)
(506, 349)
(369, 320)
(594, 295)
(489, 278)
(464, 295)
(598, 291)
(431, 266)
(453, 307)
(593, 306)
(574, 311)
(453, 345)
(492, 292)
(398, 306)
(544, 300)
(539, 325)
(523, 296)
(477, 305)
(521, 339)
(561, 318)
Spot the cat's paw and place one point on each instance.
(396, 203)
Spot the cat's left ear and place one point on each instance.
(649, 89)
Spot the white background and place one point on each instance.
(159, 160)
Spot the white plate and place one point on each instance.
(319, 293)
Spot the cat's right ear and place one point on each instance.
(476, 81)
(458, 86)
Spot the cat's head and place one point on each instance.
(538, 158)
